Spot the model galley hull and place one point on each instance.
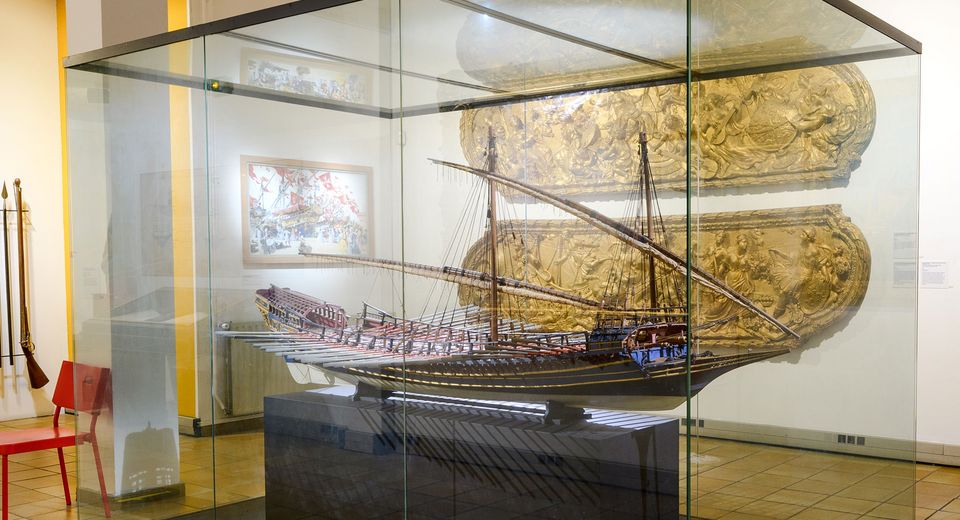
(588, 373)
(596, 381)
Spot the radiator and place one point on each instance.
(246, 374)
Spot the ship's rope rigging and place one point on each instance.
(671, 261)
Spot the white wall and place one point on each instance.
(30, 146)
(933, 22)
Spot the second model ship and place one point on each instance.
(633, 358)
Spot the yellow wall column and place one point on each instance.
(181, 180)
(61, 54)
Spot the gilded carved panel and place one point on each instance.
(798, 126)
(727, 35)
(807, 266)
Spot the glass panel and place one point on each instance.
(302, 163)
(523, 399)
(754, 33)
(431, 259)
(133, 151)
(806, 204)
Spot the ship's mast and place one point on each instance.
(648, 193)
(492, 215)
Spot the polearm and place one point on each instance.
(37, 378)
(6, 276)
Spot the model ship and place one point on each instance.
(633, 358)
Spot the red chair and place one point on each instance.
(91, 394)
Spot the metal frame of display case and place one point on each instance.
(674, 74)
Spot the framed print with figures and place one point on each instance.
(292, 206)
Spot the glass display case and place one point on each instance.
(443, 258)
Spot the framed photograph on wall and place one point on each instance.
(292, 206)
(307, 77)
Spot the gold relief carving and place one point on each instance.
(807, 266)
(767, 129)
(729, 34)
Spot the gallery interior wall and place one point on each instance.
(31, 147)
(933, 23)
(938, 419)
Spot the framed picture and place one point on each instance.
(292, 207)
(305, 76)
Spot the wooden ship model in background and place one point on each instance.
(632, 358)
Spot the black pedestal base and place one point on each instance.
(330, 456)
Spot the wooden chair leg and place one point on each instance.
(103, 486)
(63, 475)
(5, 489)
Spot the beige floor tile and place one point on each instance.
(20, 495)
(707, 513)
(815, 460)
(71, 468)
(823, 514)
(847, 505)
(819, 486)
(703, 485)
(56, 491)
(69, 514)
(887, 482)
(953, 506)
(840, 477)
(905, 470)
(771, 509)
(39, 507)
(792, 470)
(203, 477)
(864, 492)
(943, 477)
(45, 481)
(904, 498)
(723, 501)
(748, 490)
(27, 474)
(752, 464)
(930, 501)
(933, 488)
(799, 498)
(251, 489)
(728, 474)
(895, 512)
(736, 515)
(766, 479)
(945, 515)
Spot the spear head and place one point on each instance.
(4, 192)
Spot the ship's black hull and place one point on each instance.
(601, 374)
(607, 380)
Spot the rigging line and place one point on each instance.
(518, 307)
(458, 237)
(474, 210)
(623, 258)
(461, 250)
(663, 230)
(477, 212)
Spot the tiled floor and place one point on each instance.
(732, 481)
(36, 491)
(739, 481)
